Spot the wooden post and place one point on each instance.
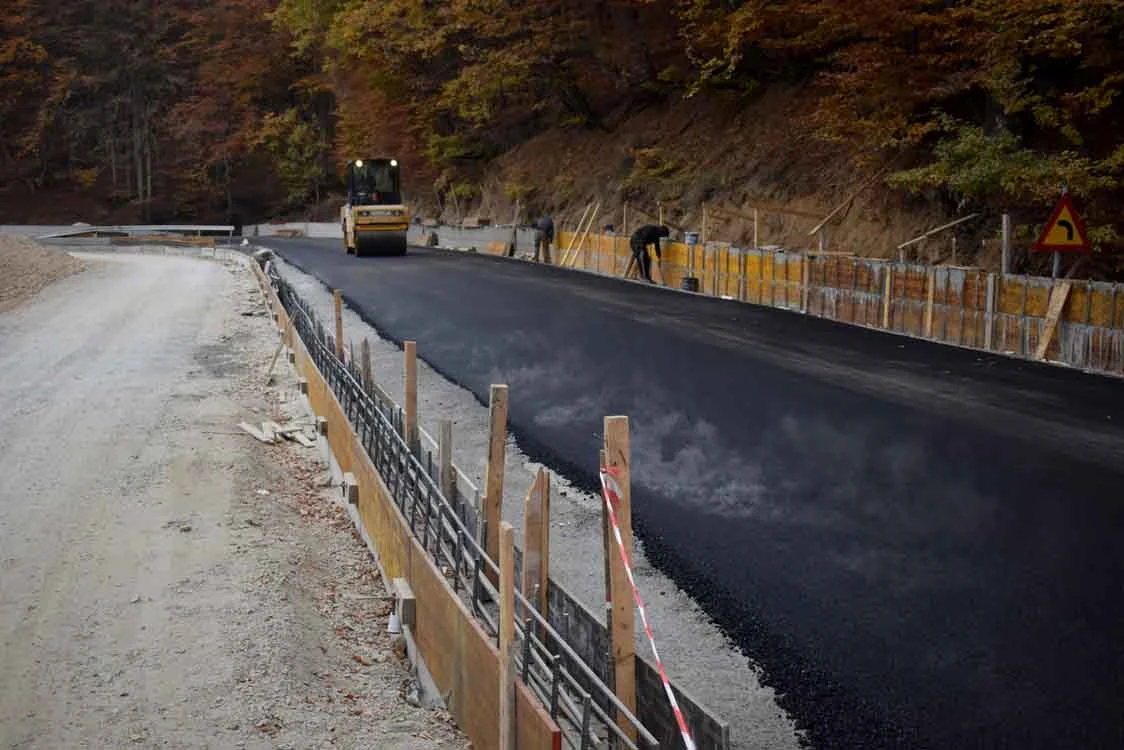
(1005, 266)
(536, 541)
(338, 297)
(929, 293)
(887, 295)
(623, 633)
(365, 353)
(989, 320)
(702, 234)
(756, 244)
(493, 472)
(805, 272)
(445, 474)
(506, 539)
(411, 378)
(1058, 297)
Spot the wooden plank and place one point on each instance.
(989, 320)
(410, 375)
(493, 471)
(1058, 297)
(301, 438)
(887, 295)
(337, 296)
(536, 545)
(507, 636)
(623, 632)
(255, 432)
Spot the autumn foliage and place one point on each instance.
(250, 106)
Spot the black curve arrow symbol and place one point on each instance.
(1068, 226)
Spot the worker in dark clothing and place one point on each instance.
(544, 235)
(649, 234)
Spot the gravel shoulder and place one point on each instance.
(166, 580)
(698, 656)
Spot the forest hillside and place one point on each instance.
(247, 109)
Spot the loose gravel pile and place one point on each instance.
(27, 267)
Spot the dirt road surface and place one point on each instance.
(165, 580)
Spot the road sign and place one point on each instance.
(1065, 231)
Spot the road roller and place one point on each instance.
(374, 218)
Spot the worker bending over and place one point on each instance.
(649, 234)
(544, 235)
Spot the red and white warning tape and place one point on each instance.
(611, 492)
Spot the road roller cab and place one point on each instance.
(374, 219)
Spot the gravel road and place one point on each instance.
(165, 580)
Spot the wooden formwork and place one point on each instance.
(460, 656)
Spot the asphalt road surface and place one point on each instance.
(919, 544)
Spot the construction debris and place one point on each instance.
(270, 432)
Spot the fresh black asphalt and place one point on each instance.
(921, 545)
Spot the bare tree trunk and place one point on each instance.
(138, 155)
(148, 172)
(112, 146)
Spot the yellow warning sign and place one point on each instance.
(1065, 231)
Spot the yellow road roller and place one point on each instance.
(374, 218)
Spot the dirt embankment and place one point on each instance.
(716, 150)
(25, 268)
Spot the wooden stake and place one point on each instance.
(506, 538)
(536, 542)
(338, 296)
(365, 353)
(411, 378)
(989, 321)
(805, 272)
(887, 295)
(623, 633)
(446, 476)
(493, 472)
(929, 293)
